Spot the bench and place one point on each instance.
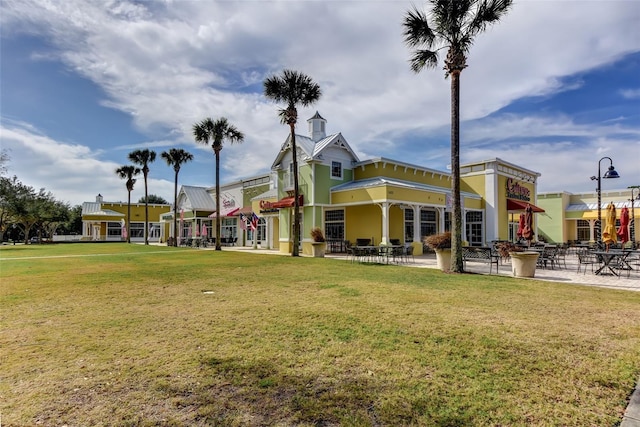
(480, 254)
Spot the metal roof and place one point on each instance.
(378, 181)
(594, 206)
(95, 208)
(198, 198)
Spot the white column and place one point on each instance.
(385, 223)
(416, 224)
(441, 212)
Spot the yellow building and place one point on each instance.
(107, 221)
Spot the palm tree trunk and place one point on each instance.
(129, 218)
(175, 210)
(296, 208)
(146, 210)
(457, 265)
(218, 228)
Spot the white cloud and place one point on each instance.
(170, 64)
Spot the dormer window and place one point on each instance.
(336, 170)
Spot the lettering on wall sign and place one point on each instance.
(517, 191)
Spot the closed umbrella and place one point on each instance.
(527, 231)
(520, 226)
(609, 234)
(204, 230)
(623, 230)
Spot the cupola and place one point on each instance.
(317, 127)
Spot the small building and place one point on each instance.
(106, 221)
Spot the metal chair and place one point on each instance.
(587, 258)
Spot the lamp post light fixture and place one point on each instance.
(610, 173)
(633, 214)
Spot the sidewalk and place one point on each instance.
(567, 275)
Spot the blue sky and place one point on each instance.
(553, 87)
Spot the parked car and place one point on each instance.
(34, 239)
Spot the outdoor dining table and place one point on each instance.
(607, 257)
(368, 252)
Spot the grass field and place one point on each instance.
(133, 335)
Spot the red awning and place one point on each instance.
(287, 202)
(245, 210)
(519, 205)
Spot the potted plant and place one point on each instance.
(318, 245)
(441, 244)
(523, 262)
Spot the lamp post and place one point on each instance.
(610, 173)
(633, 214)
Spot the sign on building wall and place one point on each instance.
(517, 191)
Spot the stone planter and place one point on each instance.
(443, 257)
(318, 249)
(523, 264)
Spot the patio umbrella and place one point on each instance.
(189, 231)
(204, 230)
(609, 233)
(197, 230)
(527, 231)
(520, 227)
(623, 231)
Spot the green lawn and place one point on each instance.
(117, 334)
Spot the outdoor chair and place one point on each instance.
(561, 256)
(408, 252)
(587, 258)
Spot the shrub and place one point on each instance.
(438, 241)
(317, 235)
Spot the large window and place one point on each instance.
(583, 231)
(334, 224)
(428, 224)
(408, 225)
(137, 230)
(475, 225)
(228, 227)
(114, 230)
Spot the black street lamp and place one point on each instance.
(633, 214)
(610, 173)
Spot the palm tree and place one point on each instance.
(451, 25)
(292, 88)
(208, 131)
(128, 172)
(143, 158)
(176, 157)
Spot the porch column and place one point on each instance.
(441, 212)
(416, 224)
(592, 230)
(385, 223)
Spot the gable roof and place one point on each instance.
(198, 198)
(312, 150)
(95, 208)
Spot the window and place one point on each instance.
(474, 228)
(334, 224)
(428, 225)
(114, 230)
(336, 170)
(228, 227)
(408, 225)
(137, 230)
(291, 183)
(583, 231)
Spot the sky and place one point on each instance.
(553, 87)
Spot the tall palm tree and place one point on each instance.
(451, 25)
(143, 158)
(128, 172)
(176, 157)
(292, 88)
(216, 132)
